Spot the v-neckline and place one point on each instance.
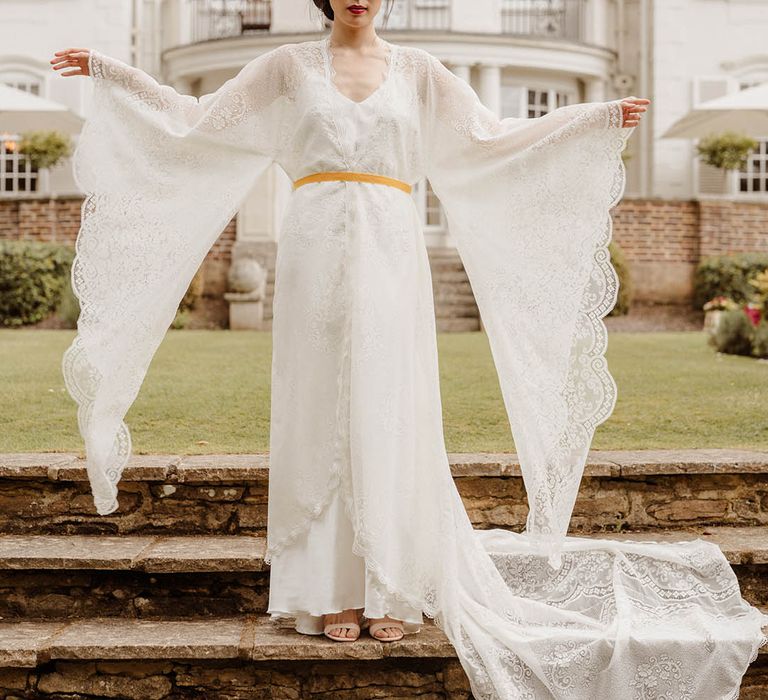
(330, 71)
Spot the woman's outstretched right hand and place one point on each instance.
(75, 58)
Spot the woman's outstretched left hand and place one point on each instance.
(77, 59)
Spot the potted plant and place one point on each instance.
(714, 308)
(727, 151)
(45, 148)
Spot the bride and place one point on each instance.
(365, 525)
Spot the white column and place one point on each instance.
(594, 90)
(256, 218)
(177, 23)
(490, 87)
(596, 23)
(490, 95)
(463, 71)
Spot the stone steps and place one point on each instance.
(252, 637)
(456, 310)
(455, 306)
(646, 490)
(234, 657)
(237, 658)
(165, 598)
(457, 325)
(78, 576)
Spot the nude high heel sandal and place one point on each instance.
(375, 626)
(343, 625)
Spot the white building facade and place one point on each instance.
(522, 57)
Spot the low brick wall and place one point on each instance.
(662, 239)
(58, 220)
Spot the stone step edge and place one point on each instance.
(70, 466)
(236, 553)
(28, 643)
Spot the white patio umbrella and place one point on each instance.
(745, 111)
(22, 111)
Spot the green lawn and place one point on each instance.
(213, 386)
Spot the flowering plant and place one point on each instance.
(720, 303)
(752, 309)
(760, 282)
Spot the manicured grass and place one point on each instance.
(208, 391)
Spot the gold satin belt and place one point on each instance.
(348, 175)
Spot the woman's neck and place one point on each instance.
(359, 39)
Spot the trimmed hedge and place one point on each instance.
(727, 275)
(626, 287)
(33, 277)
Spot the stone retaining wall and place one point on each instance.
(403, 679)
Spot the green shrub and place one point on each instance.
(760, 339)
(194, 291)
(33, 275)
(727, 275)
(734, 333)
(626, 288)
(181, 320)
(68, 310)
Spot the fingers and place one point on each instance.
(75, 58)
(633, 108)
(64, 64)
(70, 57)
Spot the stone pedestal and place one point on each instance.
(247, 281)
(246, 311)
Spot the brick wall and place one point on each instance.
(662, 239)
(653, 230)
(58, 220)
(730, 227)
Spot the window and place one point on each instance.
(17, 175)
(753, 177)
(21, 80)
(538, 102)
(517, 101)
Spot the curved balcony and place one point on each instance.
(550, 19)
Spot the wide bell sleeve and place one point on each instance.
(528, 201)
(162, 174)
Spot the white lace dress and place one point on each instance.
(363, 511)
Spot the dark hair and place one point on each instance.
(325, 7)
